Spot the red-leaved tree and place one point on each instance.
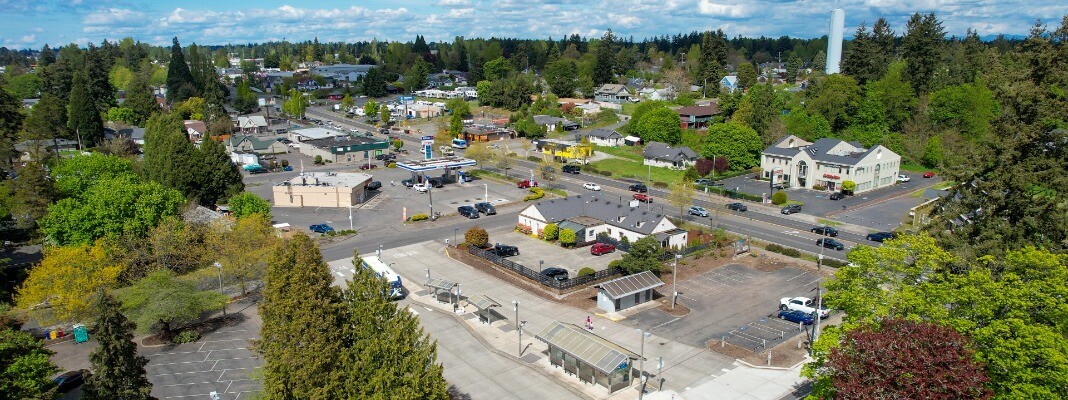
(901, 359)
(703, 166)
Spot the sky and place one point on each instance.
(33, 23)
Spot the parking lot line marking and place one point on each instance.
(798, 276)
(676, 319)
(207, 355)
(412, 310)
(202, 346)
(191, 362)
(213, 366)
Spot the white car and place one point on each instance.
(591, 186)
(903, 178)
(421, 187)
(803, 304)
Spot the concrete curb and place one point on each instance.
(739, 361)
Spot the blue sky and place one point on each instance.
(32, 23)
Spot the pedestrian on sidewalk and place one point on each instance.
(589, 323)
(391, 183)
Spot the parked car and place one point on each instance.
(638, 187)
(503, 250)
(802, 304)
(436, 182)
(698, 211)
(559, 274)
(880, 236)
(825, 231)
(321, 228)
(779, 186)
(374, 185)
(257, 170)
(526, 184)
(70, 380)
(928, 174)
(601, 249)
(737, 207)
(796, 316)
(642, 197)
(408, 183)
(486, 208)
(591, 186)
(836, 196)
(464, 177)
(571, 169)
(904, 178)
(421, 187)
(385, 157)
(830, 244)
(287, 168)
(791, 209)
(468, 211)
(368, 166)
(702, 181)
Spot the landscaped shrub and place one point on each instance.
(551, 232)
(524, 229)
(606, 173)
(779, 198)
(830, 262)
(534, 158)
(819, 187)
(392, 165)
(186, 336)
(586, 271)
(419, 217)
(660, 185)
(795, 253)
(476, 236)
(567, 237)
(774, 248)
(535, 194)
(512, 154)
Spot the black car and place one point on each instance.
(572, 169)
(385, 157)
(486, 208)
(503, 250)
(70, 380)
(468, 211)
(436, 182)
(830, 244)
(408, 182)
(880, 236)
(825, 231)
(259, 170)
(837, 196)
(737, 207)
(559, 274)
(374, 185)
(638, 187)
(790, 209)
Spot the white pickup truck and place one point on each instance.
(803, 304)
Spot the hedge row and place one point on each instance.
(786, 251)
(535, 194)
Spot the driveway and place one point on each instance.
(534, 253)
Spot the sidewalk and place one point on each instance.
(689, 372)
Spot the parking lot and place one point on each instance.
(219, 362)
(534, 253)
(734, 302)
(818, 203)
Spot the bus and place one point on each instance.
(380, 268)
(459, 143)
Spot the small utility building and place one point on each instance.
(592, 358)
(628, 291)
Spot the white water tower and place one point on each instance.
(834, 41)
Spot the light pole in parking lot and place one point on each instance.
(674, 280)
(641, 365)
(486, 185)
(819, 294)
(515, 307)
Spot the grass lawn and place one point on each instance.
(635, 170)
(627, 152)
(910, 167)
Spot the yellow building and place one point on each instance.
(565, 150)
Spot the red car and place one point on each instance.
(642, 197)
(928, 174)
(526, 184)
(601, 248)
(368, 166)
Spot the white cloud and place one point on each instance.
(453, 3)
(706, 7)
(28, 39)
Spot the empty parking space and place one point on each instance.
(534, 253)
(220, 362)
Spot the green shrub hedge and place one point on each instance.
(419, 217)
(586, 271)
(535, 194)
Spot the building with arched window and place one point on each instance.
(826, 163)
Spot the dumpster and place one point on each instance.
(81, 334)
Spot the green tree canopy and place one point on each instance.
(739, 143)
(163, 301)
(216, 177)
(140, 100)
(561, 75)
(245, 204)
(660, 124)
(25, 366)
(180, 85)
(118, 372)
(74, 176)
(644, 255)
(807, 126)
(169, 157)
(111, 207)
(970, 108)
(83, 118)
(836, 98)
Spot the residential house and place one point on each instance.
(729, 83)
(604, 215)
(308, 85)
(613, 93)
(553, 124)
(239, 143)
(828, 162)
(29, 103)
(336, 95)
(136, 133)
(650, 93)
(344, 149)
(604, 137)
(697, 117)
(38, 149)
(663, 155)
(564, 150)
(196, 129)
(252, 124)
(423, 111)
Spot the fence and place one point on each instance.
(537, 276)
(664, 256)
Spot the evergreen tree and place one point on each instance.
(97, 66)
(862, 60)
(461, 53)
(303, 328)
(118, 372)
(882, 38)
(604, 62)
(388, 355)
(25, 366)
(10, 122)
(374, 83)
(169, 157)
(47, 57)
(793, 65)
(180, 85)
(83, 118)
(140, 100)
(819, 61)
(922, 48)
(33, 192)
(713, 59)
(217, 178)
(46, 124)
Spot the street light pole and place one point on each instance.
(219, 267)
(674, 281)
(515, 307)
(819, 294)
(641, 366)
(486, 185)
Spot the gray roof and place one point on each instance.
(631, 284)
(606, 209)
(613, 88)
(663, 151)
(135, 133)
(482, 301)
(342, 69)
(549, 120)
(591, 349)
(346, 140)
(201, 215)
(604, 133)
(440, 283)
(819, 151)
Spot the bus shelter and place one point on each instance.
(592, 358)
(483, 303)
(437, 285)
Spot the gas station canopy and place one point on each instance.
(448, 162)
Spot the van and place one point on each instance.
(459, 143)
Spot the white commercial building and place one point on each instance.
(322, 189)
(829, 162)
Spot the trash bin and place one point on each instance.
(81, 334)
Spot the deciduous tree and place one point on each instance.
(61, 288)
(164, 302)
(111, 207)
(245, 204)
(681, 196)
(658, 125)
(644, 255)
(244, 248)
(25, 366)
(739, 143)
